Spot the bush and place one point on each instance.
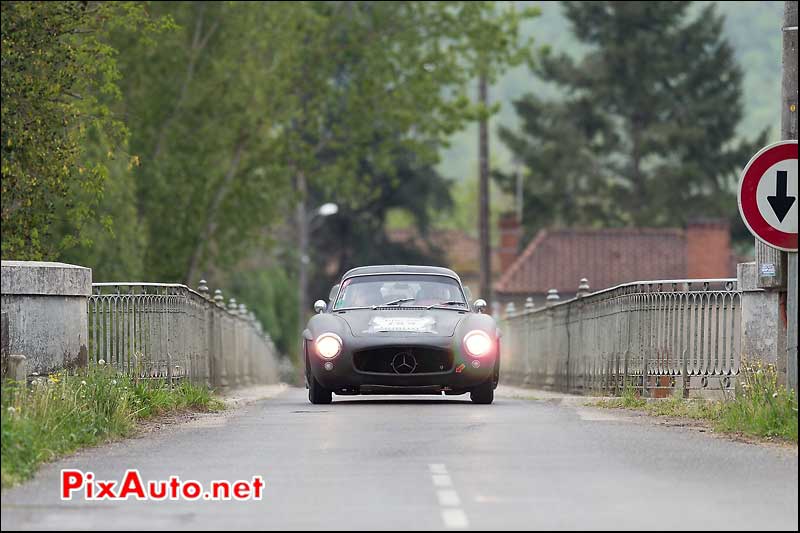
(59, 414)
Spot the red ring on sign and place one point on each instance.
(748, 205)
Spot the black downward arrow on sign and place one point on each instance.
(781, 203)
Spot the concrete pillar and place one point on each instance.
(46, 304)
(761, 319)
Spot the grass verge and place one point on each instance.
(760, 408)
(62, 413)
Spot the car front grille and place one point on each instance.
(403, 360)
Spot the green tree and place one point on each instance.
(59, 74)
(644, 134)
(206, 109)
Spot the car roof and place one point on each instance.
(399, 269)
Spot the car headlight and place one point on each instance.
(329, 345)
(477, 343)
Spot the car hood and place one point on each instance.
(402, 322)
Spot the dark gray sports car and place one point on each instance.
(401, 329)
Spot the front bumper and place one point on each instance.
(344, 377)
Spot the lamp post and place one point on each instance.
(305, 219)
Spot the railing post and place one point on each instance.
(625, 377)
(234, 374)
(220, 376)
(583, 288)
(551, 374)
(684, 375)
(552, 297)
(529, 307)
(245, 362)
(205, 347)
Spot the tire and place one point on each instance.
(317, 394)
(483, 394)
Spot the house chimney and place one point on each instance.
(510, 236)
(708, 249)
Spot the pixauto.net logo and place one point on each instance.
(80, 485)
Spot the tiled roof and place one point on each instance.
(559, 258)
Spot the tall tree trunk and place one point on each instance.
(199, 42)
(483, 195)
(212, 213)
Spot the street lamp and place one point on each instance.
(328, 209)
(304, 232)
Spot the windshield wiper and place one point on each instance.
(451, 302)
(394, 302)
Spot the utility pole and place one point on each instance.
(789, 132)
(483, 194)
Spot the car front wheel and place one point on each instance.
(317, 394)
(483, 394)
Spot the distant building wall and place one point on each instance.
(708, 249)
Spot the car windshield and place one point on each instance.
(398, 290)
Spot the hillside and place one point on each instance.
(752, 27)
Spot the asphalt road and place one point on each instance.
(436, 463)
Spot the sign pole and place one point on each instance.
(789, 132)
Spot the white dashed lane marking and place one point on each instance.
(452, 515)
(448, 498)
(454, 518)
(438, 469)
(442, 480)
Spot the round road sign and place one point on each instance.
(768, 195)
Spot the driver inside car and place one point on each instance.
(432, 293)
(366, 295)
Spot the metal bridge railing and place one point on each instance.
(651, 335)
(169, 331)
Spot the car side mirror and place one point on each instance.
(479, 305)
(319, 306)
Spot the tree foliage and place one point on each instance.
(58, 76)
(644, 134)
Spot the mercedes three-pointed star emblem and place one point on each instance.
(404, 363)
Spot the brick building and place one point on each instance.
(557, 258)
